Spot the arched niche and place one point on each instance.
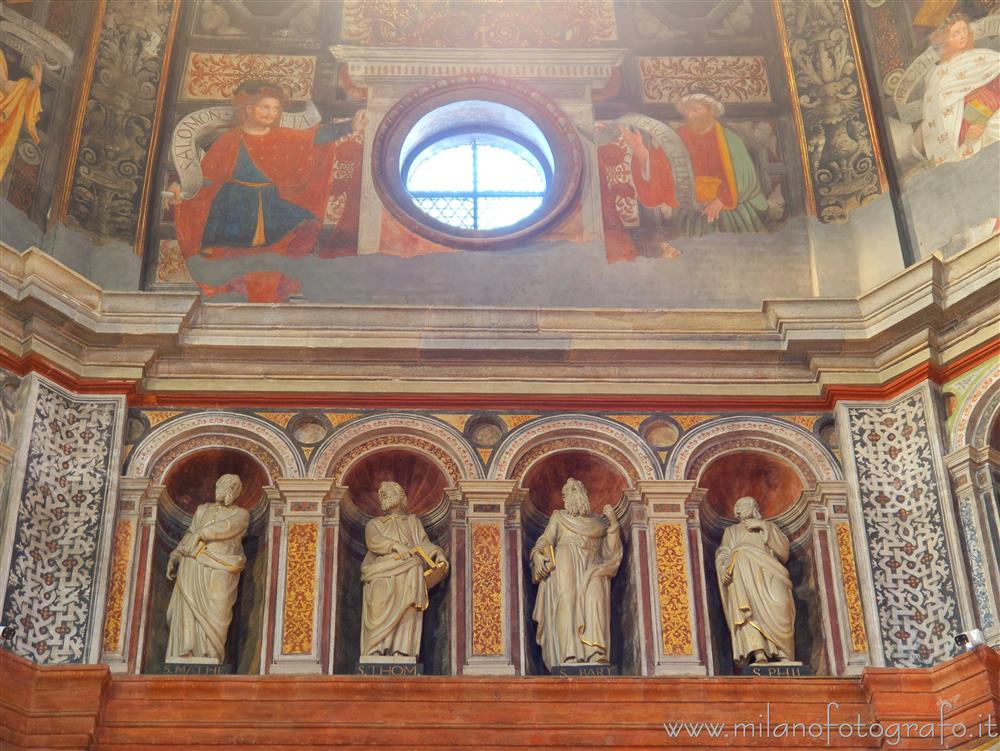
(779, 489)
(189, 481)
(426, 485)
(974, 422)
(596, 435)
(606, 482)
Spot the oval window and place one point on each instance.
(477, 162)
(476, 181)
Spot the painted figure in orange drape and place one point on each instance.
(266, 187)
(20, 106)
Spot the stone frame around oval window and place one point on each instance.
(558, 130)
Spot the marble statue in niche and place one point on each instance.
(573, 563)
(400, 566)
(207, 564)
(756, 588)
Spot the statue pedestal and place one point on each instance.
(777, 670)
(195, 666)
(585, 669)
(393, 667)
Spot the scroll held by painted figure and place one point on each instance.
(262, 187)
(206, 565)
(573, 562)
(756, 588)
(401, 565)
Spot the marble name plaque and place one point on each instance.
(391, 669)
(585, 670)
(777, 671)
(194, 668)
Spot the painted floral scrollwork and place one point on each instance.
(108, 176)
(842, 162)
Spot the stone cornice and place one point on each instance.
(917, 324)
(410, 66)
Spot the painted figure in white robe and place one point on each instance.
(207, 564)
(395, 591)
(756, 588)
(961, 106)
(573, 563)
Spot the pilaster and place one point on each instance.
(492, 585)
(304, 574)
(836, 579)
(971, 471)
(678, 604)
(131, 573)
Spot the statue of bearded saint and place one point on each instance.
(756, 588)
(395, 589)
(207, 564)
(573, 563)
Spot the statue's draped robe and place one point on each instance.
(201, 606)
(961, 92)
(573, 605)
(262, 193)
(395, 594)
(758, 601)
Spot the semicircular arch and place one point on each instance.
(532, 442)
(435, 440)
(708, 441)
(177, 438)
(976, 414)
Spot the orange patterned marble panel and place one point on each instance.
(278, 418)
(633, 421)
(156, 416)
(339, 418)
(671, 575)
(514, 421)
(300, 589)
(456, 421)
(859, 640)
(121, 558)
(689, 421)
(487, 591)
(806, 421)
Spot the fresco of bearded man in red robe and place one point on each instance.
(265, 187)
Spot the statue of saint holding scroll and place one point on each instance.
(401, 564)
(756, 588)
(573, 563)
(207, 564)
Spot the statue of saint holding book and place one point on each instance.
(402, 564)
